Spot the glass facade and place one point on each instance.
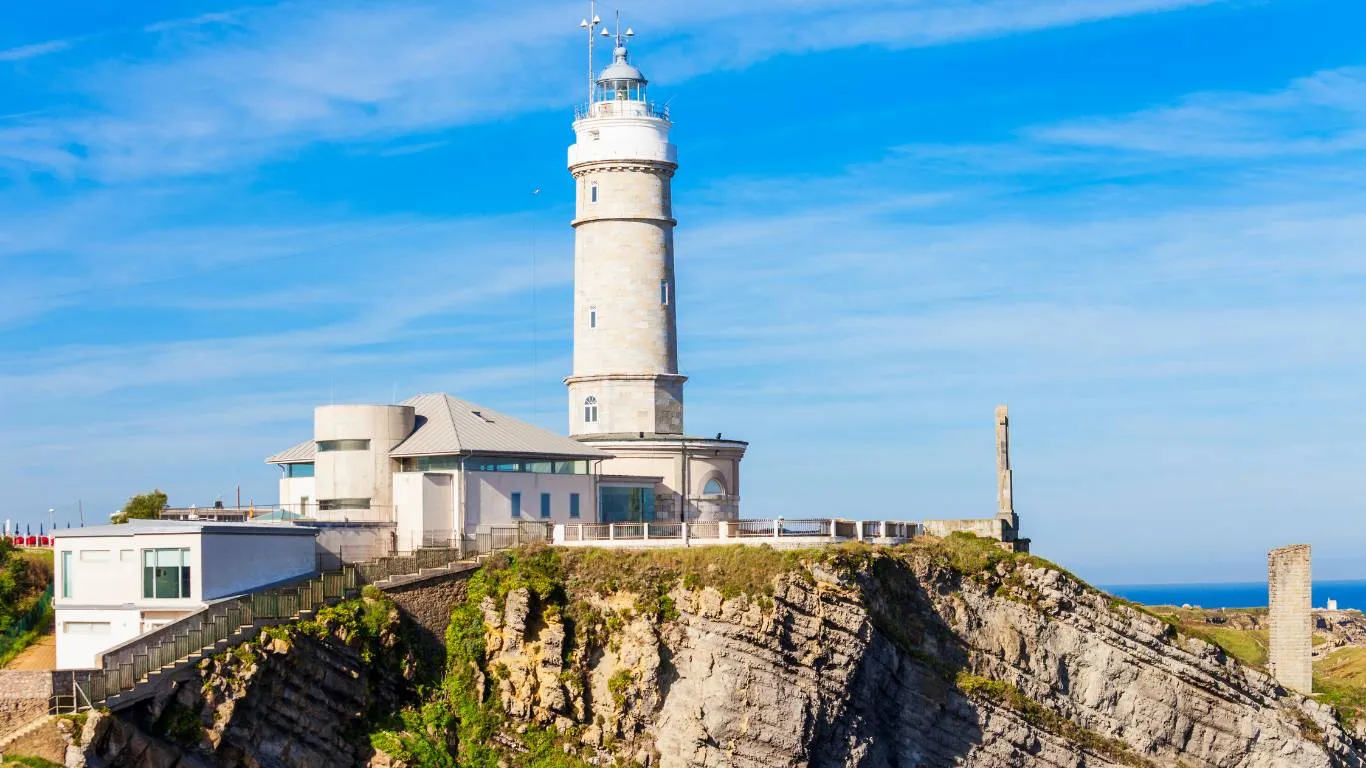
(626, 505)
(298, 470)
(491, 464)
(165, 573)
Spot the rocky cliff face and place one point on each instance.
(900, 659)
(951, 654)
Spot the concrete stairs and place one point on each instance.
(31, 726)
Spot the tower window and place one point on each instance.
(590, 410)
(593, 192)
(713, 488)
(664, 292)
(592, 317)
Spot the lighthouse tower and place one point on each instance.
(626, 392)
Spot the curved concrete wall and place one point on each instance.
(364, 473)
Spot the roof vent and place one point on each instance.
(481, 415)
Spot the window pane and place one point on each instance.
(66, 574)
(545, 505)
(149, 569)
(185, 581)
(516, 505)
(326, 446)
(573, 505)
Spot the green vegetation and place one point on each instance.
(30, 762)
(25, 598)
(1340, 681)
(180, 724)
(1006, 695)
(144, 506)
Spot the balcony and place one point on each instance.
(621, 108)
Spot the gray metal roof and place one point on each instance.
(153, 527)
(303, 453)
(449, 425)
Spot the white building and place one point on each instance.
(626, 392)
(432, 466)
(115, 582)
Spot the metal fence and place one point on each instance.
(22, 624)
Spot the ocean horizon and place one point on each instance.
(1251, 594)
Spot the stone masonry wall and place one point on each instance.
(24, 697)
(426, 604)
(1289, 584)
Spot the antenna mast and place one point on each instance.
(590, 24)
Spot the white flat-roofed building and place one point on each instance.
(115, 582)
(432, 467)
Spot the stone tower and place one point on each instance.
(625, 391)
(625, 378)
(1291, 616)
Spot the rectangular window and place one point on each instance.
(165, 573)
(545, 505)
(94, 555)
(66, 574)
(86, 627)
(333, 505)
(327, 446)
(592, 317)
(573, 505)
(298, 470)
(664, 292)
(592, 193)
(516, 504)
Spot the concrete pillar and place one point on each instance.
(1005, 483)
(1290, 593)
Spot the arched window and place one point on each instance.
(590, 410)
(713, 488)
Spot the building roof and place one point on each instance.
(303, 453)
(154, 527)
(449, 425)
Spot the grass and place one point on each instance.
(30, 762)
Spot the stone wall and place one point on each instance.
(426, 604)
(1289, 585)
(24, 697)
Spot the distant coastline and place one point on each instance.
(1348, 594)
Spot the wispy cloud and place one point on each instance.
(279, 77)
(35, 50)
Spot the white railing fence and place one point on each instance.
(791, 532)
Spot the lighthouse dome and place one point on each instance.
(621, 69)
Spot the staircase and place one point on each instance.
(136, 670)
(24, 730)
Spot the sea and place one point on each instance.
(1348, 594)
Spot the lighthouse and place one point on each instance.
(626, 391)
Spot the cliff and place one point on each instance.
(937, 654)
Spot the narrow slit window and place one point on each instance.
(592, 317)
(664, 292)
(516, 504)
(545, 505)
(593, 192)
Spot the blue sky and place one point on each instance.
(1138, 222)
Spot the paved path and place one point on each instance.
(39, 656)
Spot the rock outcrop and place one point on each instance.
(902, 660)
